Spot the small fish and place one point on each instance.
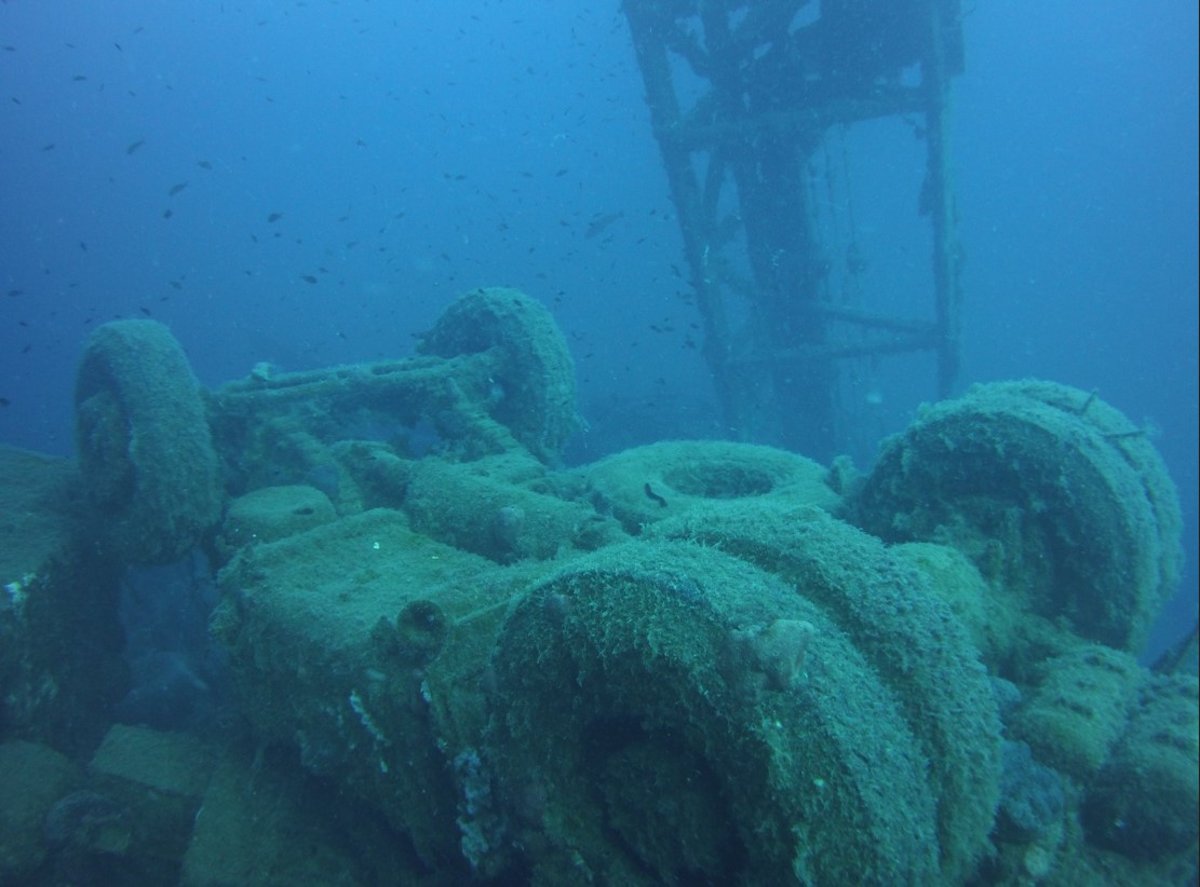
(168, 212)
(48, 146)
(15, 292)
(144, 310)
(79, 78)
(4, 401)
(274, 217)
(308, 278)
(204, 164)
(599, 222)
(133, 146)
(175, 189)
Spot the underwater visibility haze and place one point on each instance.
(645, 442)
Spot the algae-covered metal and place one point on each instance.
(689, 662)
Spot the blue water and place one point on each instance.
(348, 167)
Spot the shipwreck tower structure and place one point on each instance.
(742, 96)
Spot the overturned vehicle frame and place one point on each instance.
(689, 662)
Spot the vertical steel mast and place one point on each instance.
(741, 94)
